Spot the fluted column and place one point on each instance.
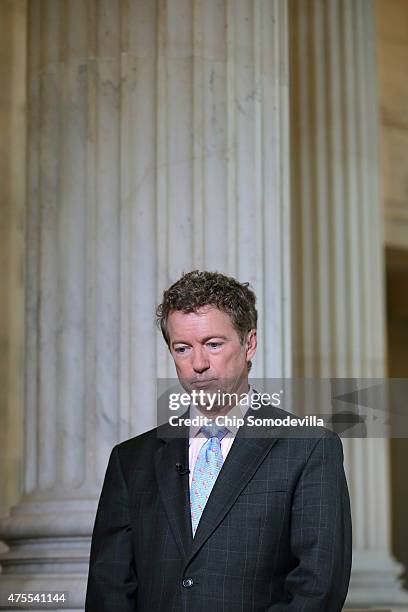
(13, 52)
(157, 143)
(338, 291)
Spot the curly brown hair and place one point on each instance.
(196, 289)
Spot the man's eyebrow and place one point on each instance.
(214, 336)
(218, 336)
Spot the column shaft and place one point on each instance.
(338, 289)
(157, 143)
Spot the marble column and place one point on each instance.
(157, 143)
(13, 53)
(338, 289)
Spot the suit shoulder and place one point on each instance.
(139, 447)
(305, 428)
(140, 439)
(281, 413)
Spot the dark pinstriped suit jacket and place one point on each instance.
(275, 534)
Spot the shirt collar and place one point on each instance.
(239, 411)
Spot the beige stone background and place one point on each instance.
(392, 46)
(392, 50)
(12, 199)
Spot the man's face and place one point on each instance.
(207, 351)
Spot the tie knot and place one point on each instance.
(214, 431)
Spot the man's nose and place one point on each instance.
(200, 361)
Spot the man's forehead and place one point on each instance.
(210, 318)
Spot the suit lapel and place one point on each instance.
(174, 488)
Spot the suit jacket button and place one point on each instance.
(187, 583)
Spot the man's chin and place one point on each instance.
(212, 396)
(213, 411)
(206, 396)
(203, 388)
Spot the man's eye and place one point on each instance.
(180, 349)
(214, 344)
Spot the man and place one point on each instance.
(218, 518)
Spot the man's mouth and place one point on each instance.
(200, 383)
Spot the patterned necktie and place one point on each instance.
(208, 465)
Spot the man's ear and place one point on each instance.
(251, 344)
